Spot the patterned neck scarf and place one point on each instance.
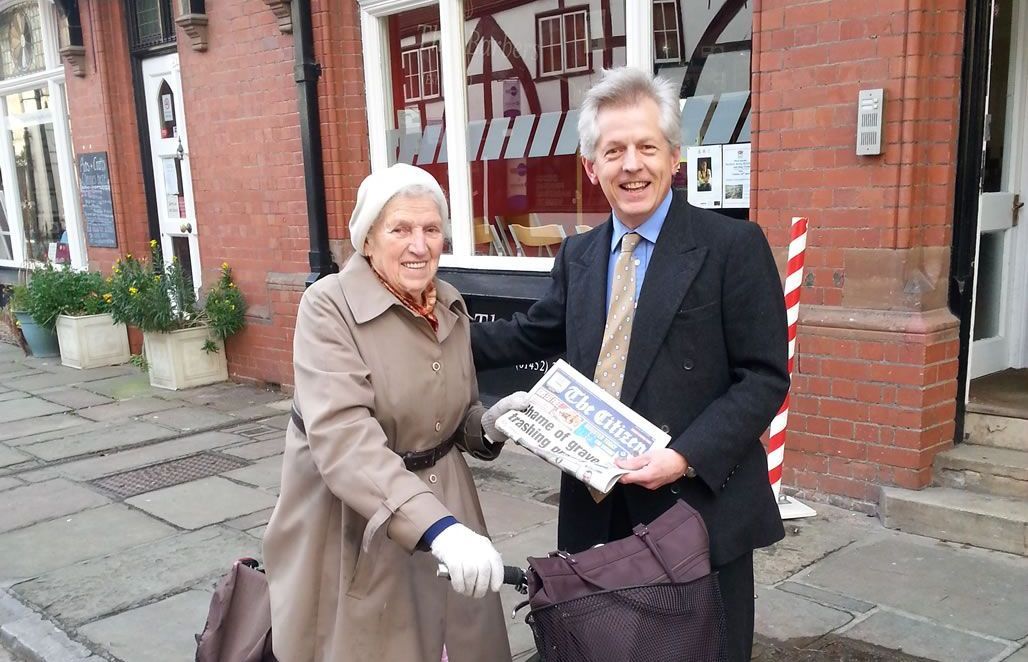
(426, 310)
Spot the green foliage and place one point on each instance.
(56, 291)
(158, 297)
(19, 299)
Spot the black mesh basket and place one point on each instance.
(652, 623)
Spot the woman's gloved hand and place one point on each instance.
(517, 400)
(474, 565)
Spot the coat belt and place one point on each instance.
(413, 460)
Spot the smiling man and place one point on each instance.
(679, 313)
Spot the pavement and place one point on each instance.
(121, 505)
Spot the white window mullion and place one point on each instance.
(12, 198)
(454, 81)
(377, 95)
(66, 172)
(639, 35)
(49, 19)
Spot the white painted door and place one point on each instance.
(169, 151)
(1000, 317)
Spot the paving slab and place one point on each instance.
(123, 386)
(36, 382)
(28, 407)
(38, 475)
(11, 395)
(827, 598)
(73, 397)
(235, 397)
(27, 505)
(263, 473)
(10, 457)
(1020, 655)
(252, 413)
(809, 540)
(126, 408)
(517, 473)
(962, 587)
(508, 516)
(924, 639)
(280, 421)
(201, 502)
(34, 429)
(252, 520)
(7, 483)
(259, 449)
(11, 377)
(786, 617)
(105, 437)
(190, 418)
(47, 546)
(159, 632)
(258, 532)
(535, 542)
(133, 458)
(32, 637)
(104, 586)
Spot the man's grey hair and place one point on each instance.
(622, 87)
(420, 191)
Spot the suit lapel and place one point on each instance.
(673, 266)
(587, 300)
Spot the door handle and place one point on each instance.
(186, 228)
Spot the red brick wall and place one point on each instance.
(103, 119)
(877, 349)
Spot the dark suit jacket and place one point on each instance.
(707, 362)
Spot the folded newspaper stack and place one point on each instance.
(578, 427)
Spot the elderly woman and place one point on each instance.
(385, 399)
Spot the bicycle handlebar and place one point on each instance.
(512, 575)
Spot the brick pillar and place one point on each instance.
(875, 382)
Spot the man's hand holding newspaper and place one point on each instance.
(578, 427)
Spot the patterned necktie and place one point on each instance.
(610, 367)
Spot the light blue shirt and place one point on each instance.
(649, 231)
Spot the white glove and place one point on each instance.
(517, 400)
(474, 565)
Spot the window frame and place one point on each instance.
(677, 33)
(561, 16)
(421, 50)
(52, 78)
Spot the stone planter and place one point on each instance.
(92, 341)
(176, 360)
(42, 342)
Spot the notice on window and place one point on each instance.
(705, 176)
(736, 181)
(170, 176)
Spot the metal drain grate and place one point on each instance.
(254, 430)
(137, 481)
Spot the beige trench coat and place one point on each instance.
(345, 580)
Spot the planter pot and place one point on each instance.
(176, 360)
(42, 342)
(92, 341)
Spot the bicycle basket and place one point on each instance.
(676, 622)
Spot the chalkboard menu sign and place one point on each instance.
(97, 205)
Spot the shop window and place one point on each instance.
(563, 42)
(21, 44)
(421, 73)
(39, 215)
(152, 23)
(666, 44)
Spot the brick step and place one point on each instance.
(984, 469)
(982, 520)
(999, 431)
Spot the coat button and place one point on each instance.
(665, 428)
(436, 365)
(675, 489)
(438, 426)
(688, 364)
(432, 478)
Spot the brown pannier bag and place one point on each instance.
(238, 627)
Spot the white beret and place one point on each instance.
(378, 188)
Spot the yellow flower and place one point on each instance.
(224, 265)
(109, 280)
(108, 297)
(153, 243)
(117, 271)
(128, 256)
(156, 279)
(133, 291)
(231, 285)
(232, 306)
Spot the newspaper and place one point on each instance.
(578, 427)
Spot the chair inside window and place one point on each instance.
(539, 237)
(487, 240)
(582, 229)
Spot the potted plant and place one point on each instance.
(183, 337)
(40, 339)
(77, 304)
